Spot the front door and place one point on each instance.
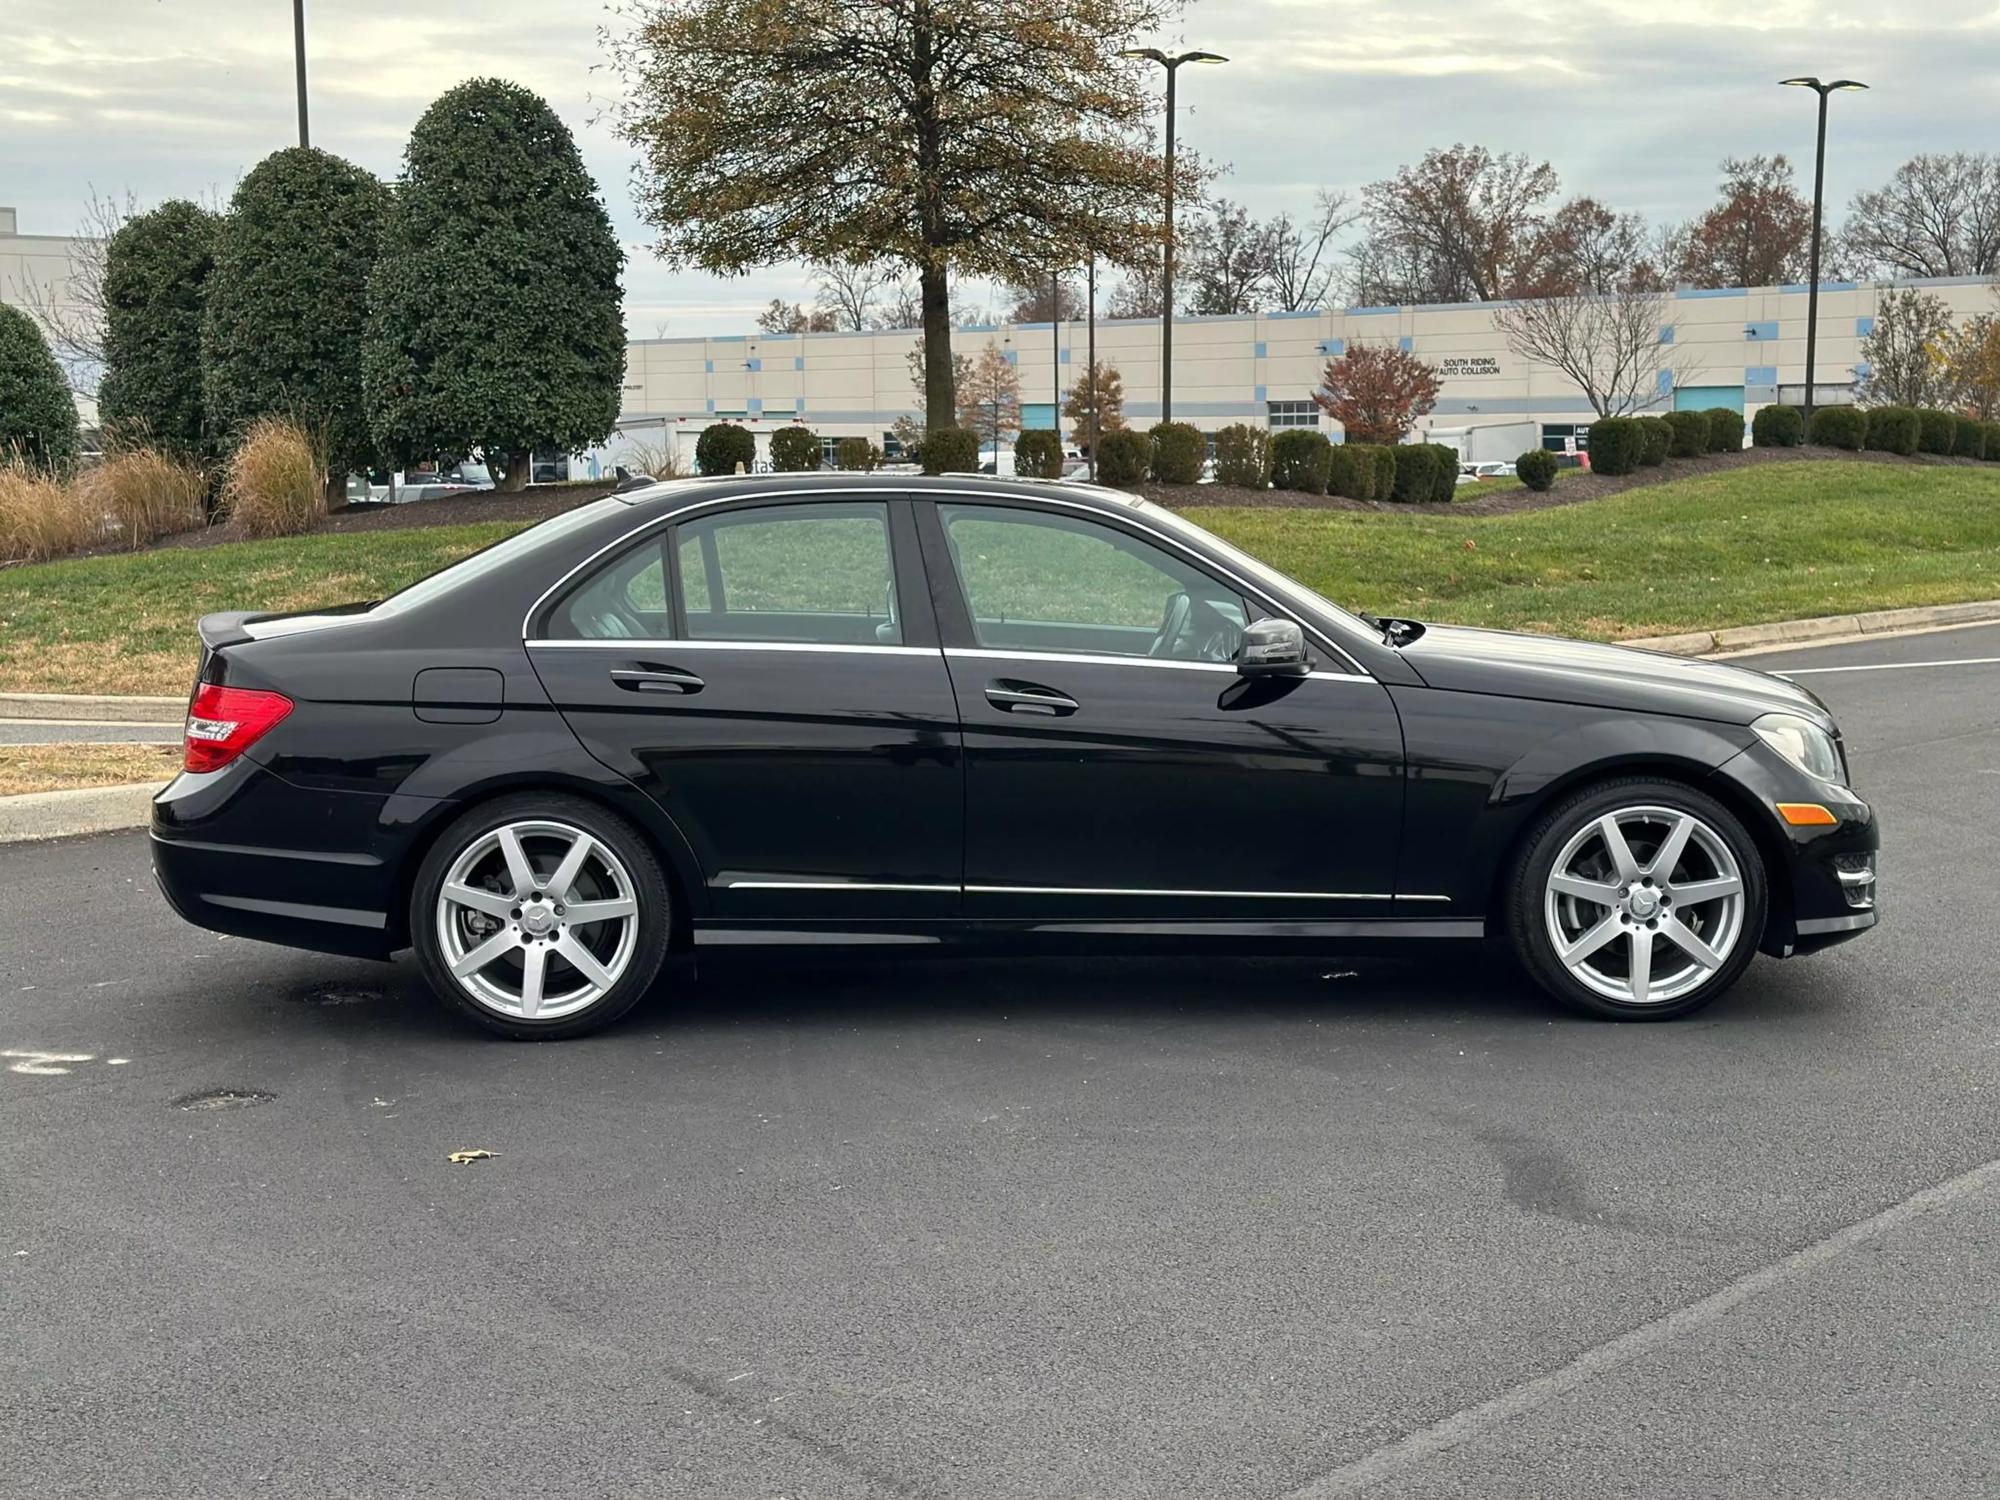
(1118, 767)
(760, 671)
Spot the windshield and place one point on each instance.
(500, 554)
(1277, 584)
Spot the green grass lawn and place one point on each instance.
(1774, 542)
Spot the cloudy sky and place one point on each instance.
(1634, 101)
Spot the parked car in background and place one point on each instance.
(418, 482)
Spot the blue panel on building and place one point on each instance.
(1761, 331)
(1760, 374)
(1406, 343)
(1065, 356)
(1333, 348)
(1862, 370)
(798, 403)
(755, 406)
(1667, 333)
(1260, 396)
(1702, 397)
(708, 365)
(753, 364)
(1038, 416)
(1665, 381)
(1863, 327)
(711, 405)
(798, 361)
(1013, 357)
(1262, 352)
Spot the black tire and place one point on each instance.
(649, 888)
(1526, 912)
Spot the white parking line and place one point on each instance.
(1892, 666)
(1463, 1426)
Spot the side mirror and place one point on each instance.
(1273, 648)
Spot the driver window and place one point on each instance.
(1037, 581)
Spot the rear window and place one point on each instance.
(503, 553)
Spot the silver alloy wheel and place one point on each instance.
(537, 919)
(1644, 904)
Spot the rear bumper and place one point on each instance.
(242, 852)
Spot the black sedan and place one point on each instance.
(835, 709)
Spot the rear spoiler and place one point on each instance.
(226, 628)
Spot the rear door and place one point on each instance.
(769, 672)
(1117, 766)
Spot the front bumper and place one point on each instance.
(244, 852)
(1823, 878)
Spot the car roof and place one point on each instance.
(672, 494)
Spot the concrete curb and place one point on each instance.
(1827, 627)
(90, 809)
(92, 708)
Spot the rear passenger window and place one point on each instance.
(815, 574)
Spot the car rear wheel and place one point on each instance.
(540, 917)
(1638, 899)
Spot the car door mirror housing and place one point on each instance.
(1273, 648)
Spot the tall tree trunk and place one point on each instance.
(514, 478)
(940, 386)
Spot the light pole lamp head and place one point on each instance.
(1820, 88)
(1146, 54)
(1201, 57)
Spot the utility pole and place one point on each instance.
(299, 52)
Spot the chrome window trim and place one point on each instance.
(677, 644)
(890, 493)
(1095, 890)
(1106, 659)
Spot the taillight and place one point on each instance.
(223, 722)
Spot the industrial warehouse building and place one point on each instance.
(1736, 348)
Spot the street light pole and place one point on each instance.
(1173, 66)
(299, 53)
(1819, 193)
(1055, 360)
(1090, 356)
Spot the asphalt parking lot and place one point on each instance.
(1022, 1229)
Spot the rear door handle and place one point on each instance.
(1029, 698)
(656, 680)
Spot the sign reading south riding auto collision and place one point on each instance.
(1469, 367)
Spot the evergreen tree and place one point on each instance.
(494, 314)
(156, 270)
(37, 416)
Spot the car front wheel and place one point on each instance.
(1638, 899)
(540, 916)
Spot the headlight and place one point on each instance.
(1803, 743)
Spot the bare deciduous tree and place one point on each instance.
(848, 291)
(1044, 300)
(1460, 226)
(1908, 352)
(74, 324)
(1939, 215)
(1609, 345)
(1301, 264)
(1225, 261)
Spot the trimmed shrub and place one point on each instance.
(1725, 429)
(276, 481)
(1992, 431)
(285, 309)
(1839, 427)
(1656, 441)
(1416, 473)
(794, 450)
(1038, 455)
(37, 416)
(1937, 431)
(1892, 429)
(495, 316)
(40, 516)
(1300, 460)
(1179, 451)
(1243, 456)
(1688, 432)
(1444, 481)
(722, 446)
(146, 493)
(1384, 457)
(155, 270)
(1350, 471)
(1536, 468)
(1778, 427)
(1123, 457)
(1616, 444)
(951, 450)
(856, 455)
(1968, 437)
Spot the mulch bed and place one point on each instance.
(1570, 487)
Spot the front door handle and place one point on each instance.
(656, 680)
(1029, 698)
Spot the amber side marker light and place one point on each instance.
(1806, 815)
